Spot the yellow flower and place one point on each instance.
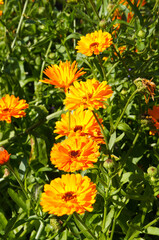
(68, 194)
(95, 42)
(63, 75)
(10, 106)
(1, 2)
(4, 156)
(75, 153)
(81, 122)
(154, 114)
(90, 94)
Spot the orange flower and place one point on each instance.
(134, 2)
(4, 156)
(130, 16)
(95, 42)
(10, 106)
(90, 94)
(116, 15)
(154, 113)
(81, 122)
(68, 194)
(121, 50)
(1, 2)
(63, 75)
(1, 12)
(75, 153)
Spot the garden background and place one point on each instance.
(36, 34)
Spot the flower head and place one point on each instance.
(1, 2)
(81, 122)
(4, 156)
(154, 114)
(75, 153)
(134, 2)
(10, 106)
(63, 75)
(94, 43)
(90, 94)
(68, 194)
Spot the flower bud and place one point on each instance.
(55, 224)
(141, 34)
(102, 23)
(152, 171)
(109, 163)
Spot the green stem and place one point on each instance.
(17, 178)
(41, 227)
(130, 98)
(151, 223)
(67, 51)
(19, 25)
(112, 69)
(44, 61)
(102, 67)
(132, 146)
(121, 59)
(101, 128)
(94, 9)
(78, 218)
(113, 228)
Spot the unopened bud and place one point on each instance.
(102, 23)
(152, 171)
(141, 34)
(55, 224)
(109, 163)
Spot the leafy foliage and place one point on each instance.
(35, 34)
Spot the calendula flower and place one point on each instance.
(134, 2)
(75, 153)
(154, 114)
(1, 12)
(68, 194)
(63, 75)
(4, 156)
(90, 94)
(94, 43)
(130, 16)
(1, 2)
(10, 106)
(121, 50)
(116, 15)
(81, 122)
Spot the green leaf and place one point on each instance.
(127, 129)
(84, 229)
(17, 199)
(152, 231)
(109, 219)
(118, 139)
(112, 140)
(3, 220)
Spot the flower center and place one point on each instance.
(5, 110)
(68, 196)
(95, 44)
(74, 153)
(78, 128)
